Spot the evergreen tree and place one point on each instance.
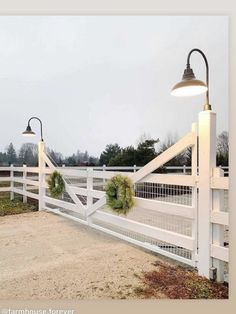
(126, 157)
(130, 156)
(71, 161)
(3, 159)
(111, 151)
(146, 152)
(93, 161)
(11, 154)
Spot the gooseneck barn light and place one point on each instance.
(190, 86)
(29, 132)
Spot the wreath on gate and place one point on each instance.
(56, 184)
(120, 193)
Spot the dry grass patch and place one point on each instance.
(8, 207)
(177, 282)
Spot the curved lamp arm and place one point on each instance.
(41, 125)
(207, 105)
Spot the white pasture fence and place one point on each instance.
(180, 215)
(169, 169)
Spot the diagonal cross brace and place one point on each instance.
(188, 140)
(68, 189)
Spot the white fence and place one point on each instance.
(168, 169)
(181, 216)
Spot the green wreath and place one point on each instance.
(119, 193)
(56, 184)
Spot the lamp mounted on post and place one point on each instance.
(205, 146)
(29, 132)
(189, 85)
(41, 161)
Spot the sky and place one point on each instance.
(96, 80)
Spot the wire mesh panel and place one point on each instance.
(153, 218)
(164, 221)
(178, 194)
(177, 250)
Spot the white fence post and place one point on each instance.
(89, 189)
(194, 159)
(218, 230)
(135, 168)
(24, 184)
(11, 183)
(104, 169)
(207, 161)
(41, 164)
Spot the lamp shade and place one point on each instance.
(28, 131)
(189, 86)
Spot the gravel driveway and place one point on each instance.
(45, 256)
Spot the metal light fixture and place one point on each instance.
(29, 132)
(190, 86)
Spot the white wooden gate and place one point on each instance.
(179, 216)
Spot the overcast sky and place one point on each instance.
(95, 80)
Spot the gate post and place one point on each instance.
(194, 172)
(24, 184)
(41, 165)
(104, 169)
(11, 182)
(207, 161)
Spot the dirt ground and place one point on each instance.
(45, 256)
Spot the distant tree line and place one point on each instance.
(114, 155)
(76, 159)
(28, 154)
